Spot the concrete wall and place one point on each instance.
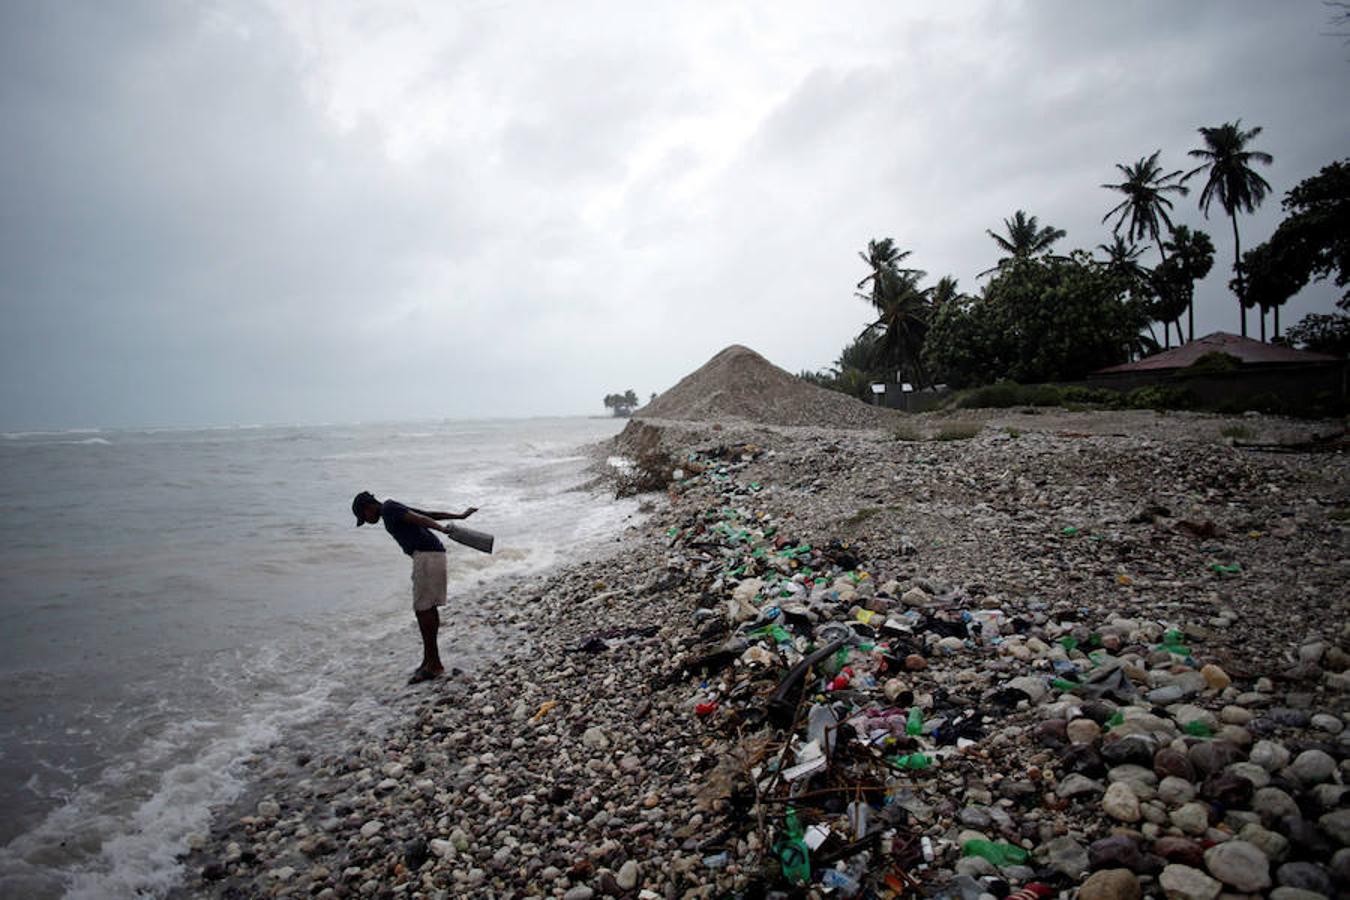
(1295, 386)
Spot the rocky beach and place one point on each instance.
(863, 654)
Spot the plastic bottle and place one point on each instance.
(1197, 728)
(914, 722)
(791, 851)
(820, 727)
(840, 881)
(857, 819)
(996, 852)
(911, 761)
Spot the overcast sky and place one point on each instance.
(237, 212)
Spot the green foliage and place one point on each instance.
(1237, 432)
(1046, 319)
(902, 310)
(1145, 205)
(1026, 239)
(1007, 394)
(1323, 333)
(622, 404)
(906, 431)
(1159, 397)
(861, 516)
(1092, 396)
(1234, 183)
(1190, 257)
(958, 431)
(1313, 241)
(1213, 363)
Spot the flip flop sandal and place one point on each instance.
(422, 675)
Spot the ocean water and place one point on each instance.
(174, 601)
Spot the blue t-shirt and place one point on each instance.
(410, 537)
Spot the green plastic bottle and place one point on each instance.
(914, 722)
(792, 851)
(998, 853)
(911, 761)
(1197, 728)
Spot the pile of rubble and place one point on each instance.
(861, 717)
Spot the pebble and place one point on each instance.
(1064, 855)
(1121, 803)
(1239, 864)
(1312, 766)
(1076, 785)
(1269, 755)
(1328, 723)
(1175, 791)
(595, 738)
(1185, 883)
(1110, 884)
(1191, 818)
(1304, 876)
(1337, 824)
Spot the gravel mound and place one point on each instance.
(738, 383)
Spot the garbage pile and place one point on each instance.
(883, 740)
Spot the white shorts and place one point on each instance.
(428, 580)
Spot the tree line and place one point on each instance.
(1044, 316)
(622, 404)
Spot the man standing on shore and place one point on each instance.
(412, 529)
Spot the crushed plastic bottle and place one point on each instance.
(914, 722)
(841, 882)
(791, 851)
(911, 761)
(1197, 728)
(820, 727)
(997, 852)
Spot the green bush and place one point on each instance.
(1237, 432)
(1213, 363)
(1091, 396)
(1158, 397)
(999, 395)
(958, 431)
(906, 431)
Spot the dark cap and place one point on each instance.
(359, 503)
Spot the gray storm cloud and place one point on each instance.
(304, 212)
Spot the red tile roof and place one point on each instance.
(1245, 349)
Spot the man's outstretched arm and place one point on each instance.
(429, 514)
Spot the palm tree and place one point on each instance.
(1144, 205)
(1122, 259)
(1025, 239)
(1234, 183)
(902, 309)
(881, 257)
(942, 293)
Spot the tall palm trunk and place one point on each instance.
(1263, 324)
(1277, 322)
(1167, 334)
(1237, 267)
